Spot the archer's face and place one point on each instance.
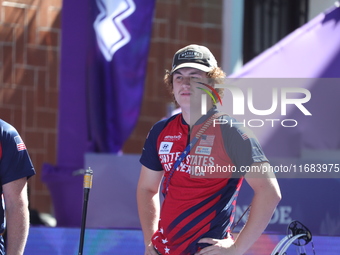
(186, 90)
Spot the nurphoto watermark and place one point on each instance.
(243, 101)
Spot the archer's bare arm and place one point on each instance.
(266, 197)
(149, 204)
(17, 215)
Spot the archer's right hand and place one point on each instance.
(150, 250)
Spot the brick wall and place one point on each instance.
(177, 23)
(29, 75)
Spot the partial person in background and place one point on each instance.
(15, 169)
(198, 208)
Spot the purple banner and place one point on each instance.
(116, 69)
(104, 54)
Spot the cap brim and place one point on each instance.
(193, 65)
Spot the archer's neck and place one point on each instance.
(191, 116)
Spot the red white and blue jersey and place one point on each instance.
(201, 197)
(15, 162)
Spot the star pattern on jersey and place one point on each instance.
(164, 241)
(166, 250)
(161, 230)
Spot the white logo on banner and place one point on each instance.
(110, 31)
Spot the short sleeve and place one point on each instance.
(149, 157)
(15, 162)
(242, 145)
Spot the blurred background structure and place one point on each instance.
(49, 78)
